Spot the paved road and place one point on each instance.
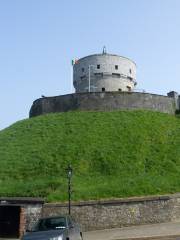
(162, 231)
(155, 231)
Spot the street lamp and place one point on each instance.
(90, 77)
(69, 175)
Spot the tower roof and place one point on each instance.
(107, 54)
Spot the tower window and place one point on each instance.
(82, 69)
(99, 74)
(98, 66)
(119, 89)
(83, 77)
(130, 71)
(116, 75)
(130, 78)
(103, 89)
(116, 67)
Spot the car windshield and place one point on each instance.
(50, 224)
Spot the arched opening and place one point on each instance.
(129, 89)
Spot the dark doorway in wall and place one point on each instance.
(129, 88)
(9, 221)
(103, 89)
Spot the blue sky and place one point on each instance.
(38, 39)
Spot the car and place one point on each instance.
(54, 228)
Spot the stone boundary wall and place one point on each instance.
(103, 101)
(32, 214)
(96, 215)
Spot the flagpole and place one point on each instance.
(72, 64)
(71, 78)
(89, 87)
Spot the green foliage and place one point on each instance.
(113, 154)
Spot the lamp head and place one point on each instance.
(69, 171)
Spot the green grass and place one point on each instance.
(113, 154)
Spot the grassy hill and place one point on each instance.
(113, 154)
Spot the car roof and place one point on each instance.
(59, 216)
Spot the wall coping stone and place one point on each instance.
(97, 93)
(115, 201)
(20, 200)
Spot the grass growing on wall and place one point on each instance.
(113, 154)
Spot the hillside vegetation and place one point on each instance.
(113, 154)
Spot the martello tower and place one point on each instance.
(105, 82)
(104, 72)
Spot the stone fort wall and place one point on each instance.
(103, 101)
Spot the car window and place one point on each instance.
(50, 224)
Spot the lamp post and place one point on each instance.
(89, 88)
(69, 175)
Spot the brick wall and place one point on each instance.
(22, 222)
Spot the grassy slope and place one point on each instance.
(113, 154)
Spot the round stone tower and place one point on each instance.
(104, 72)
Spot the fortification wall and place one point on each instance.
(103, 101)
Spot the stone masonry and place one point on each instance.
(104, 72)
(104, 101)
(96, 215)
(32, 214)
